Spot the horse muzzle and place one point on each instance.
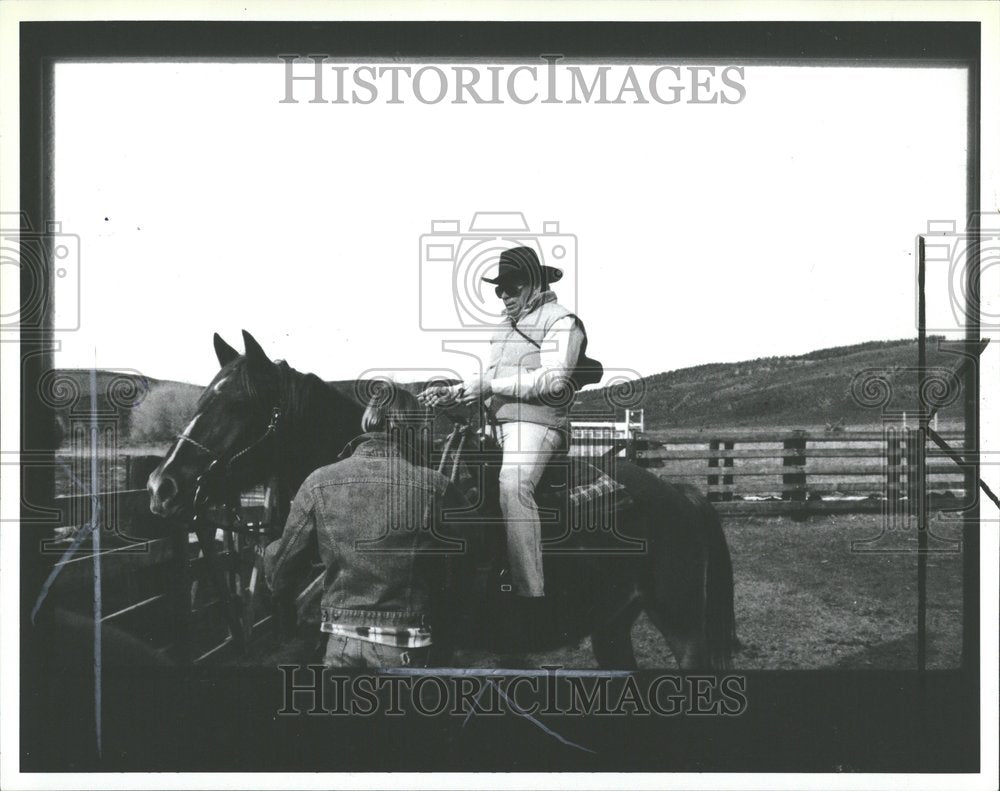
(164, 493)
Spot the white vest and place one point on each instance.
(511, 353)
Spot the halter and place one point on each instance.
(201, 498)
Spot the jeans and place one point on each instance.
(527, 449)
(349, 652)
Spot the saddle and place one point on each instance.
(579, 507)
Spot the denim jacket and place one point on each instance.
(383, 527)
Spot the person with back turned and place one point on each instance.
(373, 515)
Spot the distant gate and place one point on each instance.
(603, 438)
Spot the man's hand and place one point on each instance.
(469, 393)
(437, 395)
(477, 389)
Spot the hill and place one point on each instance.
(812, 389)
(68, 392)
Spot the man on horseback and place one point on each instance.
(533, 372)
(379, 605)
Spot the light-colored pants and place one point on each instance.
(527, 448)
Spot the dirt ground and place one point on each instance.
(806, 600)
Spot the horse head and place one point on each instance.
(229, 443)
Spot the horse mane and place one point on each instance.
(317, 422)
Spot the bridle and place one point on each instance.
(220, 471)
(224, 467)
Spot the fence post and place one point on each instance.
(713, 480)
(631, 443)
(727, 479)
(798, 478)
(912, 472)
(894, 461)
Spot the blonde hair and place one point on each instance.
(405, 421)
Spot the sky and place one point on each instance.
(689, 234)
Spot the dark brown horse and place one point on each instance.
(666, 555)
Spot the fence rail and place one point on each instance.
(787, 471)
(155, 579)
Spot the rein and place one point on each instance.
(462, 432)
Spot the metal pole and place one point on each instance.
(921, 453)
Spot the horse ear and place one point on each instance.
(256, 356)
(224, 351)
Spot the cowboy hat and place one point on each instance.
(521, 264)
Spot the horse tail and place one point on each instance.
(720, 619)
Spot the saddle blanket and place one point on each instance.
(601, 493)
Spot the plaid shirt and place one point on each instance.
(398, 636)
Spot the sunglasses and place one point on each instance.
(512, 289)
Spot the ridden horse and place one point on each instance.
(259, 419)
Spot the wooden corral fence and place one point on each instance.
(155, 580)
(798, 472)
